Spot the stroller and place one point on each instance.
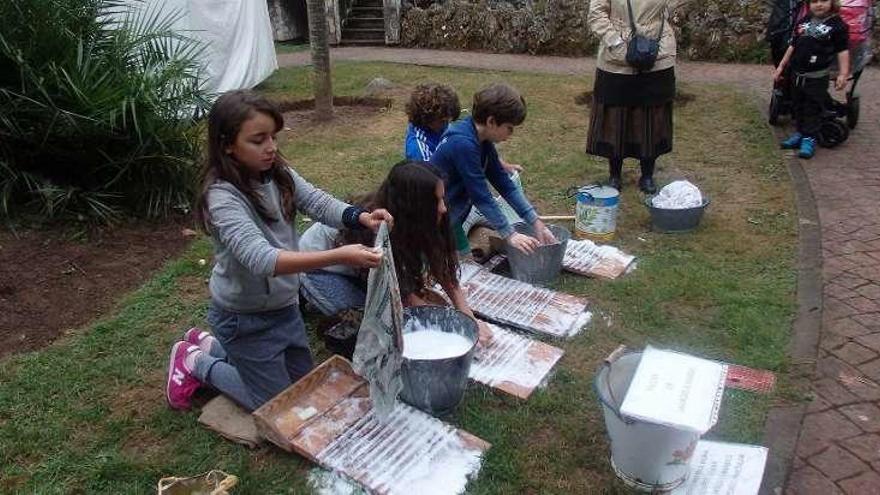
(859, 16)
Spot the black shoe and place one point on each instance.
(615, 183)
(647, 185)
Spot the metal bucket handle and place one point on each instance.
(606, 363)
(574, 190)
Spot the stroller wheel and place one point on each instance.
(852, 112)
(774, 110)
(832, 132)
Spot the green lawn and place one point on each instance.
(282, 47)
(86, 415)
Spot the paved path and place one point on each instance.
(838, 448)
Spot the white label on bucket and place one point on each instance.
(592, 219)
(719, 468)
(676, 390)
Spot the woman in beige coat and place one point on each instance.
(632, 110)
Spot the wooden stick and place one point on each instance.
(556, 217)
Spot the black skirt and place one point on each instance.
(631, 115)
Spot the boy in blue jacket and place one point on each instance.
(468, 158)
(430, 109)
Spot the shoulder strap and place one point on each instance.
(632, 21)
(663, 22)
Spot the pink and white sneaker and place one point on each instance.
(181, 383)
(195, 336)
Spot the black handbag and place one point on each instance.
(641, 52)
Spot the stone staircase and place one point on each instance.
(364, 24)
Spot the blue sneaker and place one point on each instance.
(808, 148)
(792, 142)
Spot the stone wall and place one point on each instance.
(289, 20)
(723, 30)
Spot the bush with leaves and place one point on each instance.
(98, 107)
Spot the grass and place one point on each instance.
(291, 46)
(86, 415)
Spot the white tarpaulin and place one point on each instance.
(238, 49)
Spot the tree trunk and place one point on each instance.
(320, 59)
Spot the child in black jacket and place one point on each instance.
(816, 43)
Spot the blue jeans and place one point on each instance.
(264, 354)
(332, 292)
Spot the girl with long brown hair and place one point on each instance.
(248, 204)
(421, 241)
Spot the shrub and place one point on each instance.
(98, 102)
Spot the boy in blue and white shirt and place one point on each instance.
(430, 109)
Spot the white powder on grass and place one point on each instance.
(325, 482)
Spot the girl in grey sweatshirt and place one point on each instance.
(248, 205)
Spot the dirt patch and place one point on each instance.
(346, 110)
(51, 284)
(192, 288)
(12, 484)
(144, 446)
(682, 98)
(338, 101)
(342, 116)
(139, 402)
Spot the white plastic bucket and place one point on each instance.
(596, 212)
(646, 456)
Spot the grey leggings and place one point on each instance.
(257, 355)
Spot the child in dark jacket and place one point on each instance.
(467, 157)
(814, 46)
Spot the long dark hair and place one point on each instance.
(419, 240)
(228, 114)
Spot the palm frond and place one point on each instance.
(99, 108)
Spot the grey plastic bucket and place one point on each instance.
(675, 221)
(543, 266)
(436, 386)
(646, 456)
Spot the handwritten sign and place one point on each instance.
(676, 390)
(719, 468)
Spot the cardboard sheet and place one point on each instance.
(228, 419)
(514, 364)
